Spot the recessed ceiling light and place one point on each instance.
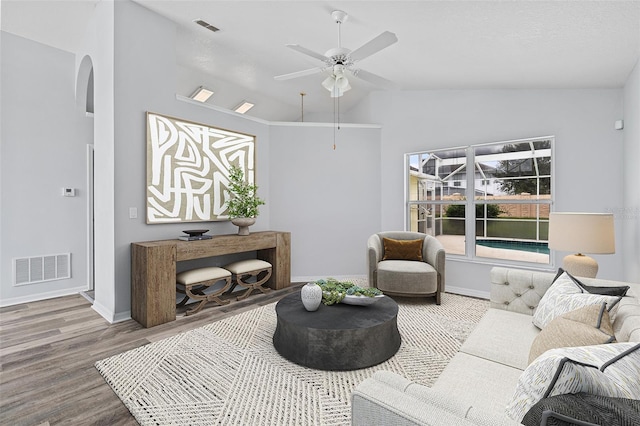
(206, 25)
(243, 107)
(201, 94)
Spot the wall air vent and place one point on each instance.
(206, 25)
(32, 270)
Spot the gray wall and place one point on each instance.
(44, 145)
(588, 151)
(339, 190)
(329, 199)
(147, 83)
(629, 215)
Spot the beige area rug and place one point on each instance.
(242, 380)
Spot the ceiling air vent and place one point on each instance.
(206, 25)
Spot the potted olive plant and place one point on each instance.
(242, 207)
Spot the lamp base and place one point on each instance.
(580, 265)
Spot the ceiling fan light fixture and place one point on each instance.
(340, 60)
(337, 85)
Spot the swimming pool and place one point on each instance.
(531, 246)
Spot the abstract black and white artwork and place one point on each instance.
(188, 169)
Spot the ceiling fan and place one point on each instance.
(341, 61)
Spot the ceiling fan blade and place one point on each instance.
(307, 52)
(374, 79)
(297, 74)
(375, 45)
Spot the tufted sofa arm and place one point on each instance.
(520, 291)
(517, 290)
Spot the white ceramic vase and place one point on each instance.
(311, 295)
(243, 224)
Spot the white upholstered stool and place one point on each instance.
(245, 269)
(195, 281)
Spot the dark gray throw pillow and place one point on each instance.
(583, 408)
(574, 279)
(608, 291)
(620, 291)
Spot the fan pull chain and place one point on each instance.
(338, 102)
(334, 123)
(336, 119)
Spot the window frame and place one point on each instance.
(470, 202)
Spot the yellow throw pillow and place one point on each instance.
(402, 249)
(586, 326)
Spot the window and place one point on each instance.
(509, 191)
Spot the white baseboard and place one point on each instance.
(467, 292)
(109, 315)
(121, 317)
(104, 312)
(41, 296)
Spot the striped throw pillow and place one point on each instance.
(606, 370)
(564, 296)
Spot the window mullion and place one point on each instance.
(470, 216)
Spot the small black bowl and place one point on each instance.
(195, 232)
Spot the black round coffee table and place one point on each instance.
(336, 337)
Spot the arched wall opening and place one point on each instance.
(85, 102)
(84, 85)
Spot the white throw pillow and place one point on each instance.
(606, 370)
(564, 296)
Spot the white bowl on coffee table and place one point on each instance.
(353, 299)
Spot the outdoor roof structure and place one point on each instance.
(493, 162)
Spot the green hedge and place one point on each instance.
(498, 228)
(458, 210)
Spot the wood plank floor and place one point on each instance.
(48, 350)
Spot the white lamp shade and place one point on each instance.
(342, 82)
(337, 85)
(329, 83)
(582, 232)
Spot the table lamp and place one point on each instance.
(581, 233)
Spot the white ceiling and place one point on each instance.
(442, 44)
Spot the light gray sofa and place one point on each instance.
(480, 380)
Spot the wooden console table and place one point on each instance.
(153, 268)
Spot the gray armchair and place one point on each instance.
(412, 278)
